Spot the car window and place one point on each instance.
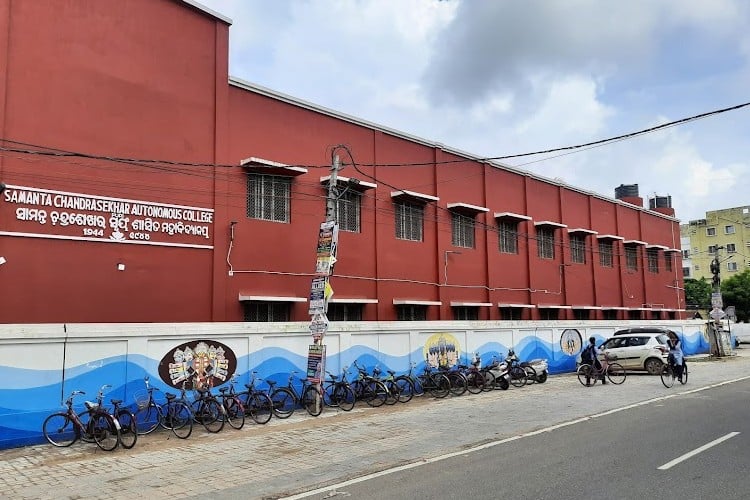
(662, 339)
(637, 341)
(615, 342)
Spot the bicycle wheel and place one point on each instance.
(489, 380)
(416, 384)
(530, 374)
(148, 418)
(375, 393)
(585, 375)
(502, 382)
(180, 419)
(475, 382)
(667, 375)
(438, 384)
(284, 402)
(406, 388)
(394, 393)
(260, 407)
(616, 373)
(312, 400)
(683, 379)
(234, 412)
(458, 383)
(210, 414)
(344, 396)
(103, 429)
(128, 428)
(517, 376)
(60, 430)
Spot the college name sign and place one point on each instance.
(44, 213)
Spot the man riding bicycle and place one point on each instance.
(676, 357)
(590, 355)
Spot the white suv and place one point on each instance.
(638, 351)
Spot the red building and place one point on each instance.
(146, 185)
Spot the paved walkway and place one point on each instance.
(287, 456)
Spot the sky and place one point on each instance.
(507, 77)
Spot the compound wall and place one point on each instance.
(40, 365)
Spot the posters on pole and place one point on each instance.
(316, 357)
(326, 250)
(318, 327)
(318, 295)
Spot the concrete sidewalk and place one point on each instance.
(286, 456)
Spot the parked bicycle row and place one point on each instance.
(179, 412)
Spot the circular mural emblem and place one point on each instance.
(201, 364)
(442, 350)
(570, 341)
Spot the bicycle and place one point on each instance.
(149, 414)
(436, 383)
(64, 428)
(394, 392)
(518, 376)
(368, 389)
(477, 379)
(177, 415)
(234, 410)
(459, 382)
(588, 374)
(125, 419)
(286, 398)
(208, 411)
(668, 374)
(338, 393)
(257, 403)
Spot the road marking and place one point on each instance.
(706, 446)
(491, 444)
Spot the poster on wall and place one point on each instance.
(200, 364)
(442, 350)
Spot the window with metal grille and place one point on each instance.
(578, 248)
(728, 229)
(508, 236)
(686, 254)
(631, 258)
(411, 312)
(685, 272)
(409, 220)
(268, 197)
(545, 242)
(582, 314)
(462, 230)
(632, 314)
(609, 314)
(510, 313)
(344, 312)
(712, 249)
(652, 255)
(731, 248)
(668, 261)
(605, 253)
(710, 231)
(731, 266)
(266, 312)
(465, 313)
(549, 313)
(348, 210)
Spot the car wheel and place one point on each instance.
(653, 366)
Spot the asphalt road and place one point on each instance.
(641, 452)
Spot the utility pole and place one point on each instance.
(717, 305)
(320, 290)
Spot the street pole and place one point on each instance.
(320, 290)
(717, 305)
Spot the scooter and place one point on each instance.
(536, 370)
(500, 371)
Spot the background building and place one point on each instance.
(724, 232)
(146, 185)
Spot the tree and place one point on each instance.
(698, 293)
(735, 291)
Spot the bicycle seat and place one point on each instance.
(392, 373)
(170, 396)
(223, 390)
(116, 401)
